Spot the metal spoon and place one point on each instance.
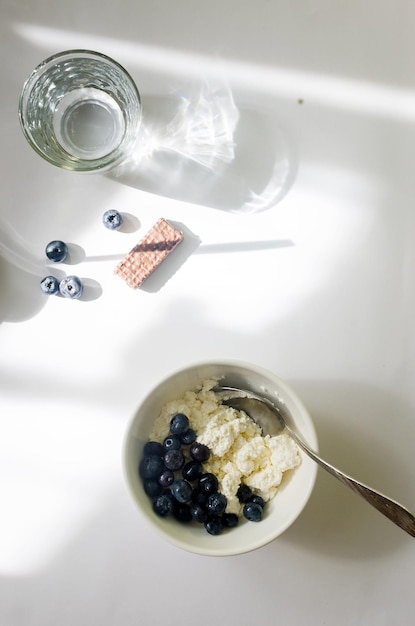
(264, 412)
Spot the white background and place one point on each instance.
(318, 287)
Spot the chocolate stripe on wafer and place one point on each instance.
(149, 252)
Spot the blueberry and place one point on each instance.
(253, 512)
(49, 285)
(56, 251)
(258, 500)
(153, 448)
(71, 287)
(181, 512)
(244, 493)
(214, 526)
(152, 487)
(181, 490)
(192, 470)
(172, 443)
(112, 219)
(166, 478)
(163, 505)
(208, 483)
(151, 467)
(174, 460)
(188, 437)
(199, 497)
(179, 423)
(199, 452)
(216, 503)
(198, 513)
(230, 520)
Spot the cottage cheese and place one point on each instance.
(239, 452)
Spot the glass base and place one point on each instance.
(88, 123)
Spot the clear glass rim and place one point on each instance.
(78, 52)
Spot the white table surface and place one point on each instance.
(319, 288)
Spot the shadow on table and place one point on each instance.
(202, 147)
(21, 297)
(20, 294)
(336, 521)
(192, 245)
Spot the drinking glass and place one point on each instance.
(80, 110)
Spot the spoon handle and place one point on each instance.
(238, 398)
(397, 513)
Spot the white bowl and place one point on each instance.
(281, 511)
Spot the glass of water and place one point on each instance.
(80, 110)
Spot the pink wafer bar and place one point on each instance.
(147, 255)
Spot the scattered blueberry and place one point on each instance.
(244, 493)
(71, 287)
(112, 219)
(181, 490)
(216, 503)
(163, 505)
(174, 460)
(214, 526)
(172, 443)
(56, 251)
(253, 512)
(199, 452)
(188, 437)
(153, 448)
(192, 470)
(179, 423)
(208, 483)
(49, 285)
(151, 467)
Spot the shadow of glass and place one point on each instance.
(202, 148)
